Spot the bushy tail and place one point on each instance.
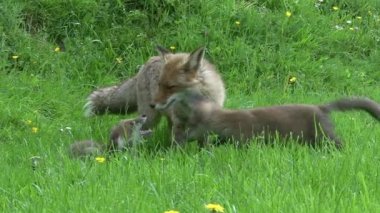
(346, 104)
(118, 99)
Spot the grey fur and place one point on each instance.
(124, 135)
(308, 124)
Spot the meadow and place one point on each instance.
(54, 53)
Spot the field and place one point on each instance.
(54, 53)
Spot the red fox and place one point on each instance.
(123, 136)
(308, 124)
(167, 73)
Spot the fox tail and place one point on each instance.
(118, 99)
(347, 104)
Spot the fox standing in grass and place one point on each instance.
(306, 123)
(168, 73)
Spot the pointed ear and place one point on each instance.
(195, 59)
(163, 52)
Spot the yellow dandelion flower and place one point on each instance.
(15, 57)
(34, 129)
(172, 47)
(288, 14)
(100, 159)
(28, 122)
(292, 80)
(237, 23)
(119, 60)
(335, 8)
(351, 28)
(57, 49)
(171, 211)
(214, 207)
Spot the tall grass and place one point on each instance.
(54, 53)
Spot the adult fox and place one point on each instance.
(309, 124)
(160, 77)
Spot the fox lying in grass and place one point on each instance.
(168, 73)
(308, 124)
(123, 136)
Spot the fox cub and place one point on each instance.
(308, 124)
(123, 136)
(160, 77)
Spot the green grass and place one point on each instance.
(332, 53)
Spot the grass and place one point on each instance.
(257, 48)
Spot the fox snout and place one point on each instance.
(159, 100)
(158, 106)
(166, 104)
(143, 118)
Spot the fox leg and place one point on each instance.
(203, 142)
(329, 134)
(327, 131)
(179, 134)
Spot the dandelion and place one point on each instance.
(338, 27)
(15, 57)
(57, 49)
(172, 47)
(119, 60)
(34, 129)
(353, 28)
(237, 23)
(214, 207)
(336, 8)
(171, 211)
(288, 14)
(292, 80)
(359, 18)
(100, 159)
(66, 129)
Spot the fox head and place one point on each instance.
(180, 71)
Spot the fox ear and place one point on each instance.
(195, 58)
(163, 52)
